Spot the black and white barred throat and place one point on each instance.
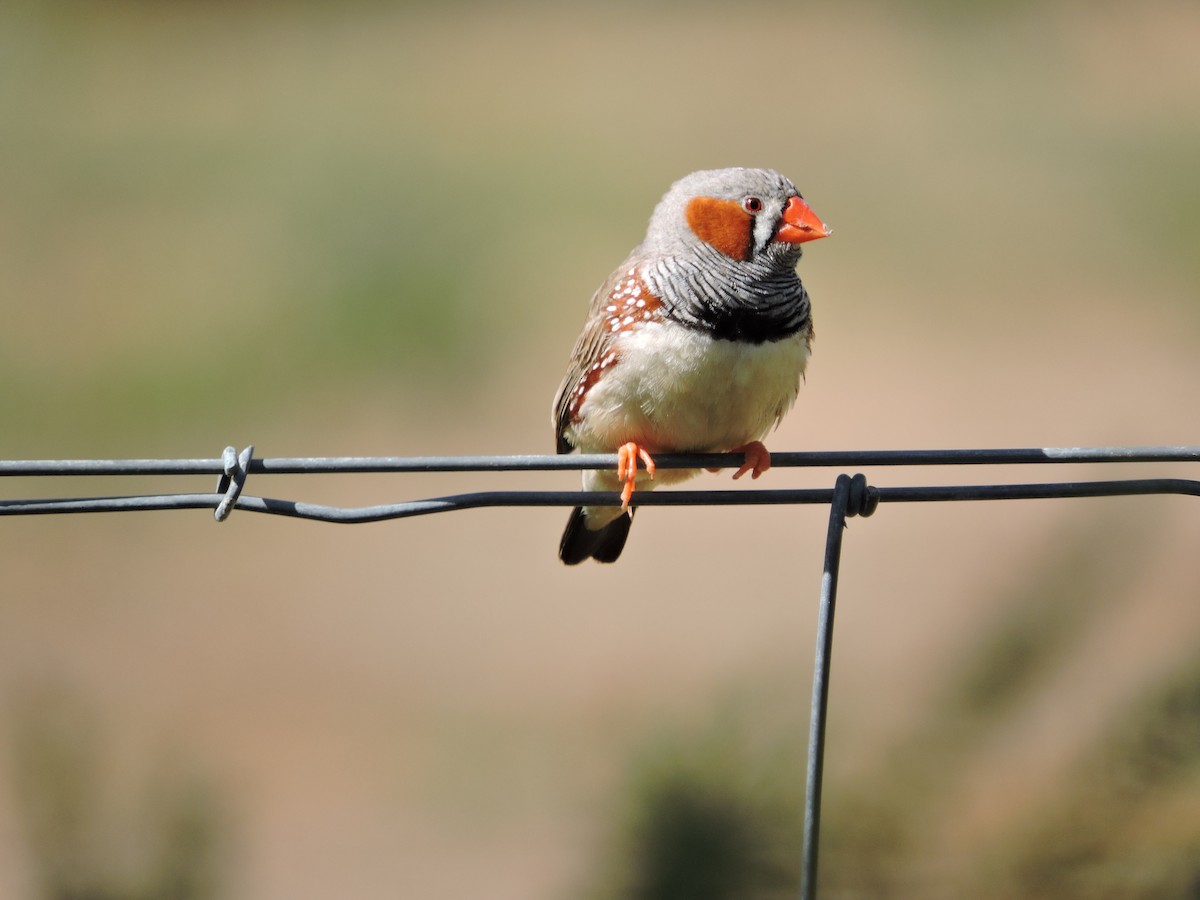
(757, 301)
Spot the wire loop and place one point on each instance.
(237, 468)
(862, 499)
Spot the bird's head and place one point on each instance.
(746, 214)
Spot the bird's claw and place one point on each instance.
(627, 461)
(757, 461)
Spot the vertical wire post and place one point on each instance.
(851, 496)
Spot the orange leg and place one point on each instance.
(758, 459)
(627, 460)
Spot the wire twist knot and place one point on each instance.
(237, 467)
(862, 498)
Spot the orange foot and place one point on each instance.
(758, 459)
(627, 460)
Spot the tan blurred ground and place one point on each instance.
(437, 708)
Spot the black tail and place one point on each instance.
(604, 544)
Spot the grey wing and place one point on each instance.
(589, 348)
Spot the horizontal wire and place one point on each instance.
(551, 462)
(490, 499)
(246, 465)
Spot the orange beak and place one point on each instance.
(800, 224)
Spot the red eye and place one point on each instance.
(752, 205)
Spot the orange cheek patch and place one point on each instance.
(723, 224)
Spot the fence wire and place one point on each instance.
(234, 469)
(848, 497)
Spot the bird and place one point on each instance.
(696, 343)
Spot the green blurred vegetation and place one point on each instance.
(1126, 824)
(889, 821)
(87, 840)
(209, 209)
(712, 810)
(710, 813)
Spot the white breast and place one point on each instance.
(677, 389)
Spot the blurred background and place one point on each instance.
(369, 229)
